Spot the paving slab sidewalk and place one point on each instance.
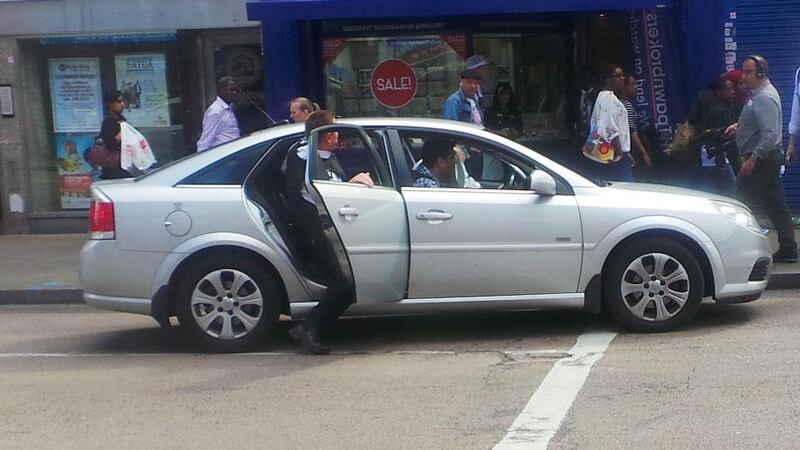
(43, 269)
(40, 268)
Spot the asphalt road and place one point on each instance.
(73, 377)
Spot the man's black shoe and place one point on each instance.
(784, 256)
(309, 340)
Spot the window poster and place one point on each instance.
(74, 171)
(142, 79)
(75, 94)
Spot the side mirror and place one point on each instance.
(543, 183)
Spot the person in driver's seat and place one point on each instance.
(438, 162)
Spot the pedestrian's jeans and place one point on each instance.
(763, 186)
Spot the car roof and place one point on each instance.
(175, 172)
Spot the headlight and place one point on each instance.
(738, 214)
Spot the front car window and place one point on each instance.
(479, 165)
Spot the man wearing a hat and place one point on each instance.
(481, 65)
(463, 105)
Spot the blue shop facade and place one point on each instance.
(326, 50)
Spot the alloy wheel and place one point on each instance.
(227, 304)
(655, 287)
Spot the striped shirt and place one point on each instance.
(632, 116)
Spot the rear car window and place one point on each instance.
(230, 170)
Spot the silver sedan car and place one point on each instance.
(209, 238)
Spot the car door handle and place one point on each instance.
(434, 215)
(348, 212)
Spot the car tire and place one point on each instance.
(227, 303)
(653, 285)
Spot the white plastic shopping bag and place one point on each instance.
(136, 151)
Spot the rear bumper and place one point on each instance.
(117, 279)
(121, 304)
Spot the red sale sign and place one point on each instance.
(393, 83)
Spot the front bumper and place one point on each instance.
(746, 267)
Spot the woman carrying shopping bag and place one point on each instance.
(111, 135)
(608, 145)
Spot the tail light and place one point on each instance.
(101, 217)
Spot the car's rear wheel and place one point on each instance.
(227, 302)
(653, 285)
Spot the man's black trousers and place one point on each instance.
(340, 293)
(763, 186)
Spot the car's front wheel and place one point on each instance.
(653, 285)
(227, 302)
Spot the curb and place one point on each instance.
(779, 281)
(42, 297)
(35, 297)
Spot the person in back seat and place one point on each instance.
(438, 163)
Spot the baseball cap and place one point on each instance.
(475, 61)
(734, 76)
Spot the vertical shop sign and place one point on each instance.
(142, 79)
(729, 35)
(75, 94)
(655, 50)
(74, 172)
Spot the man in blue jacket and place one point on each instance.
(463, 105)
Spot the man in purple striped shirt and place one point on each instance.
(219, 122)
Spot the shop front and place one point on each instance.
(334, 50)
(533, 56)
(167, 78)
(779, 46)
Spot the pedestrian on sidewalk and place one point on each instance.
(480, 65)
(759, 134)
(463, 106)
(111, 133)
(794, 121)
(300, 108)
(504, 116)
(219, 122)
(610, 132)
(713, 109)
(640, 153)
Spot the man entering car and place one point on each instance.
(303, 213)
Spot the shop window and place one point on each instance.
(67, 107)
(535, 65)
(349, 69)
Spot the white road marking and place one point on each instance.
(545, 411)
